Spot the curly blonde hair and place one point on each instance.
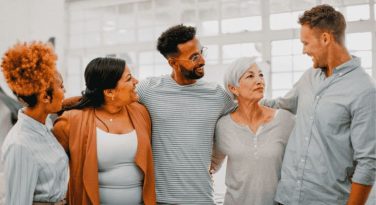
(29, 68)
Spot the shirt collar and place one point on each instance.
(30, 122)
(348, 66)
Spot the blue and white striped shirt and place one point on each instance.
(35, 164)
(183, 124)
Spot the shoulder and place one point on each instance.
(16, 148)
(152, 81)
(224, 121)
(285, 117)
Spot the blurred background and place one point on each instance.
(84, 29)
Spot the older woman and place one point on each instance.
(35, 164)
(107, 137)
(253, 138)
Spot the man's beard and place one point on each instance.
(192, 74)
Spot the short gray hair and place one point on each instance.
(237, 69)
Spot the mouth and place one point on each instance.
(259, 89)
(200, 69)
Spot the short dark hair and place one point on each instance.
(170, 39)
(100, 74)
(326, 18)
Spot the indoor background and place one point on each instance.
(128, 29)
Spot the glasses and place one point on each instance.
(196, 58)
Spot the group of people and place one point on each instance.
(159, 141)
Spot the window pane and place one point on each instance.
(359, 41)
(212, 54)
(145, 71)
(233, 51)
(281, 63)
(126, 35)
(357, 13)
(210, 28)
(241, 24)
(162, 70)
(281, 21)
(365, 57)
(280, 48)
(146, 58)
(281, 81)
(145, 34)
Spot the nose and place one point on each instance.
(135, 81)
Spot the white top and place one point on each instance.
(254, 159)
(120, 179)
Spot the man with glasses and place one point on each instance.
(184, 111)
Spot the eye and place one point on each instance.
(261, 75)
(195, 58)
(250, 76)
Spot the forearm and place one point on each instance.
(359, 194)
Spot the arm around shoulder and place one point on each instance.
(61, 130)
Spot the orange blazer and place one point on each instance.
(76, 132)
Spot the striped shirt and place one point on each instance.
(35, 164)
(183, 124)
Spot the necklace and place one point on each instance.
(110, 120)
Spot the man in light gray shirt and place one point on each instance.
(184, 110)
(330, 157)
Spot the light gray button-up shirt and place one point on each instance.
(334, 140)
(35, 164)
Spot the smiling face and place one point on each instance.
(314, 46)
(190, 62)
(125, 91)
(251, 85)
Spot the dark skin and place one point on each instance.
(327, 53)
(186, 51)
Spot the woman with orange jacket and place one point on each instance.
(107, 137)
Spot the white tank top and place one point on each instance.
(120, 179)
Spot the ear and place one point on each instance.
(233, 90)
(172, 62)
(326, 38)
(44, 98)
(108, 93)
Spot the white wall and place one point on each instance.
(28, 20)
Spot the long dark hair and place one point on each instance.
(100, 74)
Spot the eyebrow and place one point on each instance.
(193, 54)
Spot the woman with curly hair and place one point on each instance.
(35, 164)
(107, 136)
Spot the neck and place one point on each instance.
(111, 109)
(179, 79)
(250, 111)
(336, 57)
(37, 113)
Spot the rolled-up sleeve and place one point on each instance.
(21, 175)
(363, 137)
